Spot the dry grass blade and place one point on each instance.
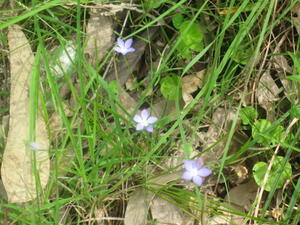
(17, 166)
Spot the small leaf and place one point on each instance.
(260, 131)
(169, 86)
(177, 20)
(260, 169)
(153, 4)
(183, 50)
(248, 115)
(277, 134)
(193, 37)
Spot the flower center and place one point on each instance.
(194, 172)
(145, 122)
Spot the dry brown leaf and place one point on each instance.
(267, 93)
(17, 166)
(138, 205)
(222, 120)
(296, 16)
(226, 219)
(127, 102)
(100, 36)
(239, 198)
(242, 196)
(281, 63)
(166, 213)
(190, 84)
(241, 172)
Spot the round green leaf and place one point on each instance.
(177, 20)
(248, 115)
(169, 86)
(277, 134)
(193, 37)
(153, 4)
(260, 131)
(260, 169)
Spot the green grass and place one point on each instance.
(98, 159)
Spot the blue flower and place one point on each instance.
(194, 171)
(124, 47)
(144, 120)
(34, 146)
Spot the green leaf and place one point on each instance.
(169, 86)
(184, 51)
(177, 20)
(248, 115)
(264, 133)
(260, 169)
(153, 4)
(277, 134)
(193, 37)
(295, 78)
(260, 131)
(295, 111)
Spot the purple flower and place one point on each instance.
(34, 146)
(124, 47)
(144, 120)
(194, 171)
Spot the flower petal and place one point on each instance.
(149, 128)
(120, 42)
(34, 145)
(198, 180)
(128, 43)
(152, 119)
(187, 176)
(137, 118)
(139, 126)
(130, 50)
(204, 172)
(145, 114)
(118, 49)
(189, 164)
